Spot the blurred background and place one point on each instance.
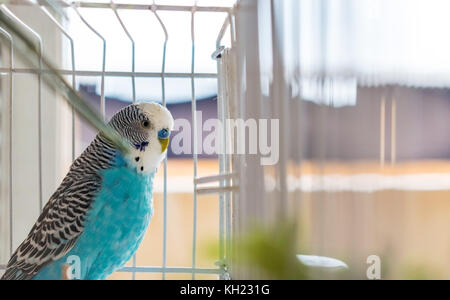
(361, 89)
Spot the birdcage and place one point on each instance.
(54, 126)
(355, 112)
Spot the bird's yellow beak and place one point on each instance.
(164, 144)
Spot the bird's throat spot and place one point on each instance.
(141, 147)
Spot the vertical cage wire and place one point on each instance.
(228, 182)
(224, 160)
(224, 179)
(72, 60)
(163, 95)
(221, 116)
(133, 51)
(15, 19)
(133, 84)
(194, 142)
(10, 134)
(102, 84)
(228, 144)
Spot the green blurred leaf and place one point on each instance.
(272, 251)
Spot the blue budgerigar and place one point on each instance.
(102, 209)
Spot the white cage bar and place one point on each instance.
(224, 178)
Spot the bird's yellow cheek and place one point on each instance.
(164, 144)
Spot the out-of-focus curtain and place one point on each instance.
(337, 45)
(380, 42)
(329, 71)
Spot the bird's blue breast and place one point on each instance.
(115, 226)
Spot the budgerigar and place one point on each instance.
(102, 209)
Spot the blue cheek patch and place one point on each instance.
(164, 134)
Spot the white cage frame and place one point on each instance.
(224, 179)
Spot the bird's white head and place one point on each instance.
(147, 126)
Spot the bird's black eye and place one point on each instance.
(146, 124)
